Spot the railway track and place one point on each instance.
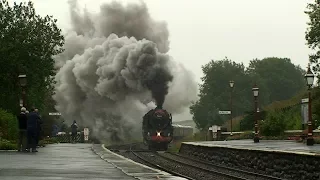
(153, 164)
(186, 167)
(207, 172)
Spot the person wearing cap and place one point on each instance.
(22, 122)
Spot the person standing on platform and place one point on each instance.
(39, 128)
(32, 130)
(74, 130)
(22, 121)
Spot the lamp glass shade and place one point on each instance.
(309, 76)
(309, 79)
(255, 91)
(231, 83)
(23, 80)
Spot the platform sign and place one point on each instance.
(54, 114)
(224, 112)
(304, 110)
(86, 134)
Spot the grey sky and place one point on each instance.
(212, 29)
(201, 30)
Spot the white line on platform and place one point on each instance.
(127, 159)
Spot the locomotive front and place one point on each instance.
(157, 129)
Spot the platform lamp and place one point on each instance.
(309, 80)
(231, 83)
(255, 91)
(23, 84)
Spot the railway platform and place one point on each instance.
(278, 158)
(72, 162)
(282, 146)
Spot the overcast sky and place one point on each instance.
(201, 30)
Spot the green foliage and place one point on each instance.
(8, 125)
(280, 137)
(292, 118)
(28, 42)
(316, 140)
(247, 123)
(312, 33)
(46, 141)
(215, 92)
(245, 135)
(7, 145)
(277, 79)
(273, 125)
(316, 106)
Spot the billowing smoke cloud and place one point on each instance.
(115, 68)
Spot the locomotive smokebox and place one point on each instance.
(157, 129)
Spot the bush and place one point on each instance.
(245, 135)
(7, 145)
(46, 141)
(274, 124)
(274, 138)
(8, 125)
(316, 140)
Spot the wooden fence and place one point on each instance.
(67, 138)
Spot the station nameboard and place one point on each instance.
(224, 112)
(54, 114)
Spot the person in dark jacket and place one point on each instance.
(39, 128)
(74, 128)
(32, 129)
(22, 121)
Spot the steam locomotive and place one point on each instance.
(157, 129)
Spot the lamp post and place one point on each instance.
(23, 84)
(231, 83)
(309, 79)
(255, 91)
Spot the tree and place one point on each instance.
(27, 44)
(277, 78)
(312, 33)
(215, 92)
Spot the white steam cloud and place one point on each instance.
(115, 68)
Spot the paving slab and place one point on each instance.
(58, 162)
(284, 146)
(132, 168)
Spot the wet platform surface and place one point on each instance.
(65, 162)
(264, 145)
(132, 168)
(59, 161)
